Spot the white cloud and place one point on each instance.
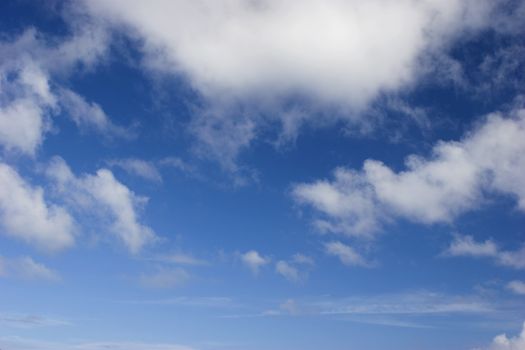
(467, 246)
(254, 260)
(28, 102)
(27, 269)
(25, 214)
(345, 253)
(88, 115)
(502, 342)
(103, 195)
(320, 48)
(456, 178)
(165, 278)
(287, 270)
(517, 287)
(138, 167)
(25, 104)
(336, 53)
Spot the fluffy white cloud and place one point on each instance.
(467, 246)
(25, 214)
(502, 342)
(248, 57)
(456, 178)
(25, 104)
(345, 253)
(108, 198)
(254, 260)
(138, 167)
(321, 48)
(517, 287)
(28, 269)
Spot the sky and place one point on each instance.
(262, 175)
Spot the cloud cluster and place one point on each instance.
(346, 254)
(108, 199)
(30, 97)
(456, 178)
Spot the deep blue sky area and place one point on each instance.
(193, 175)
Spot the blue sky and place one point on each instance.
(262, 175)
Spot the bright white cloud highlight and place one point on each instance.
(245, 57)
(102, 194)
(455, 179)
(467, 246)
(25, 214)
(254, 261)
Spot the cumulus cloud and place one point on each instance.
(456, 178)
(337, 53)
(467, 246)
(27, 269)
(103, 195)
(26, 215)
(346, 254)
(502, 342)
(146, 170)
(254, 261)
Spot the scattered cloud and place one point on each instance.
(180, 258)
(517, 287)
(287, 270)
(26, 215)
(455, 179)
(254, 261)
(89, 116)
(17, 343)
(467, 246)
(346, 254)
(26, 268)
(30, 321)
(502, 342)
(146, 170)
(27, 99)
(165, 278)
(102, 195)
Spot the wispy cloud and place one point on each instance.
(467, 246)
